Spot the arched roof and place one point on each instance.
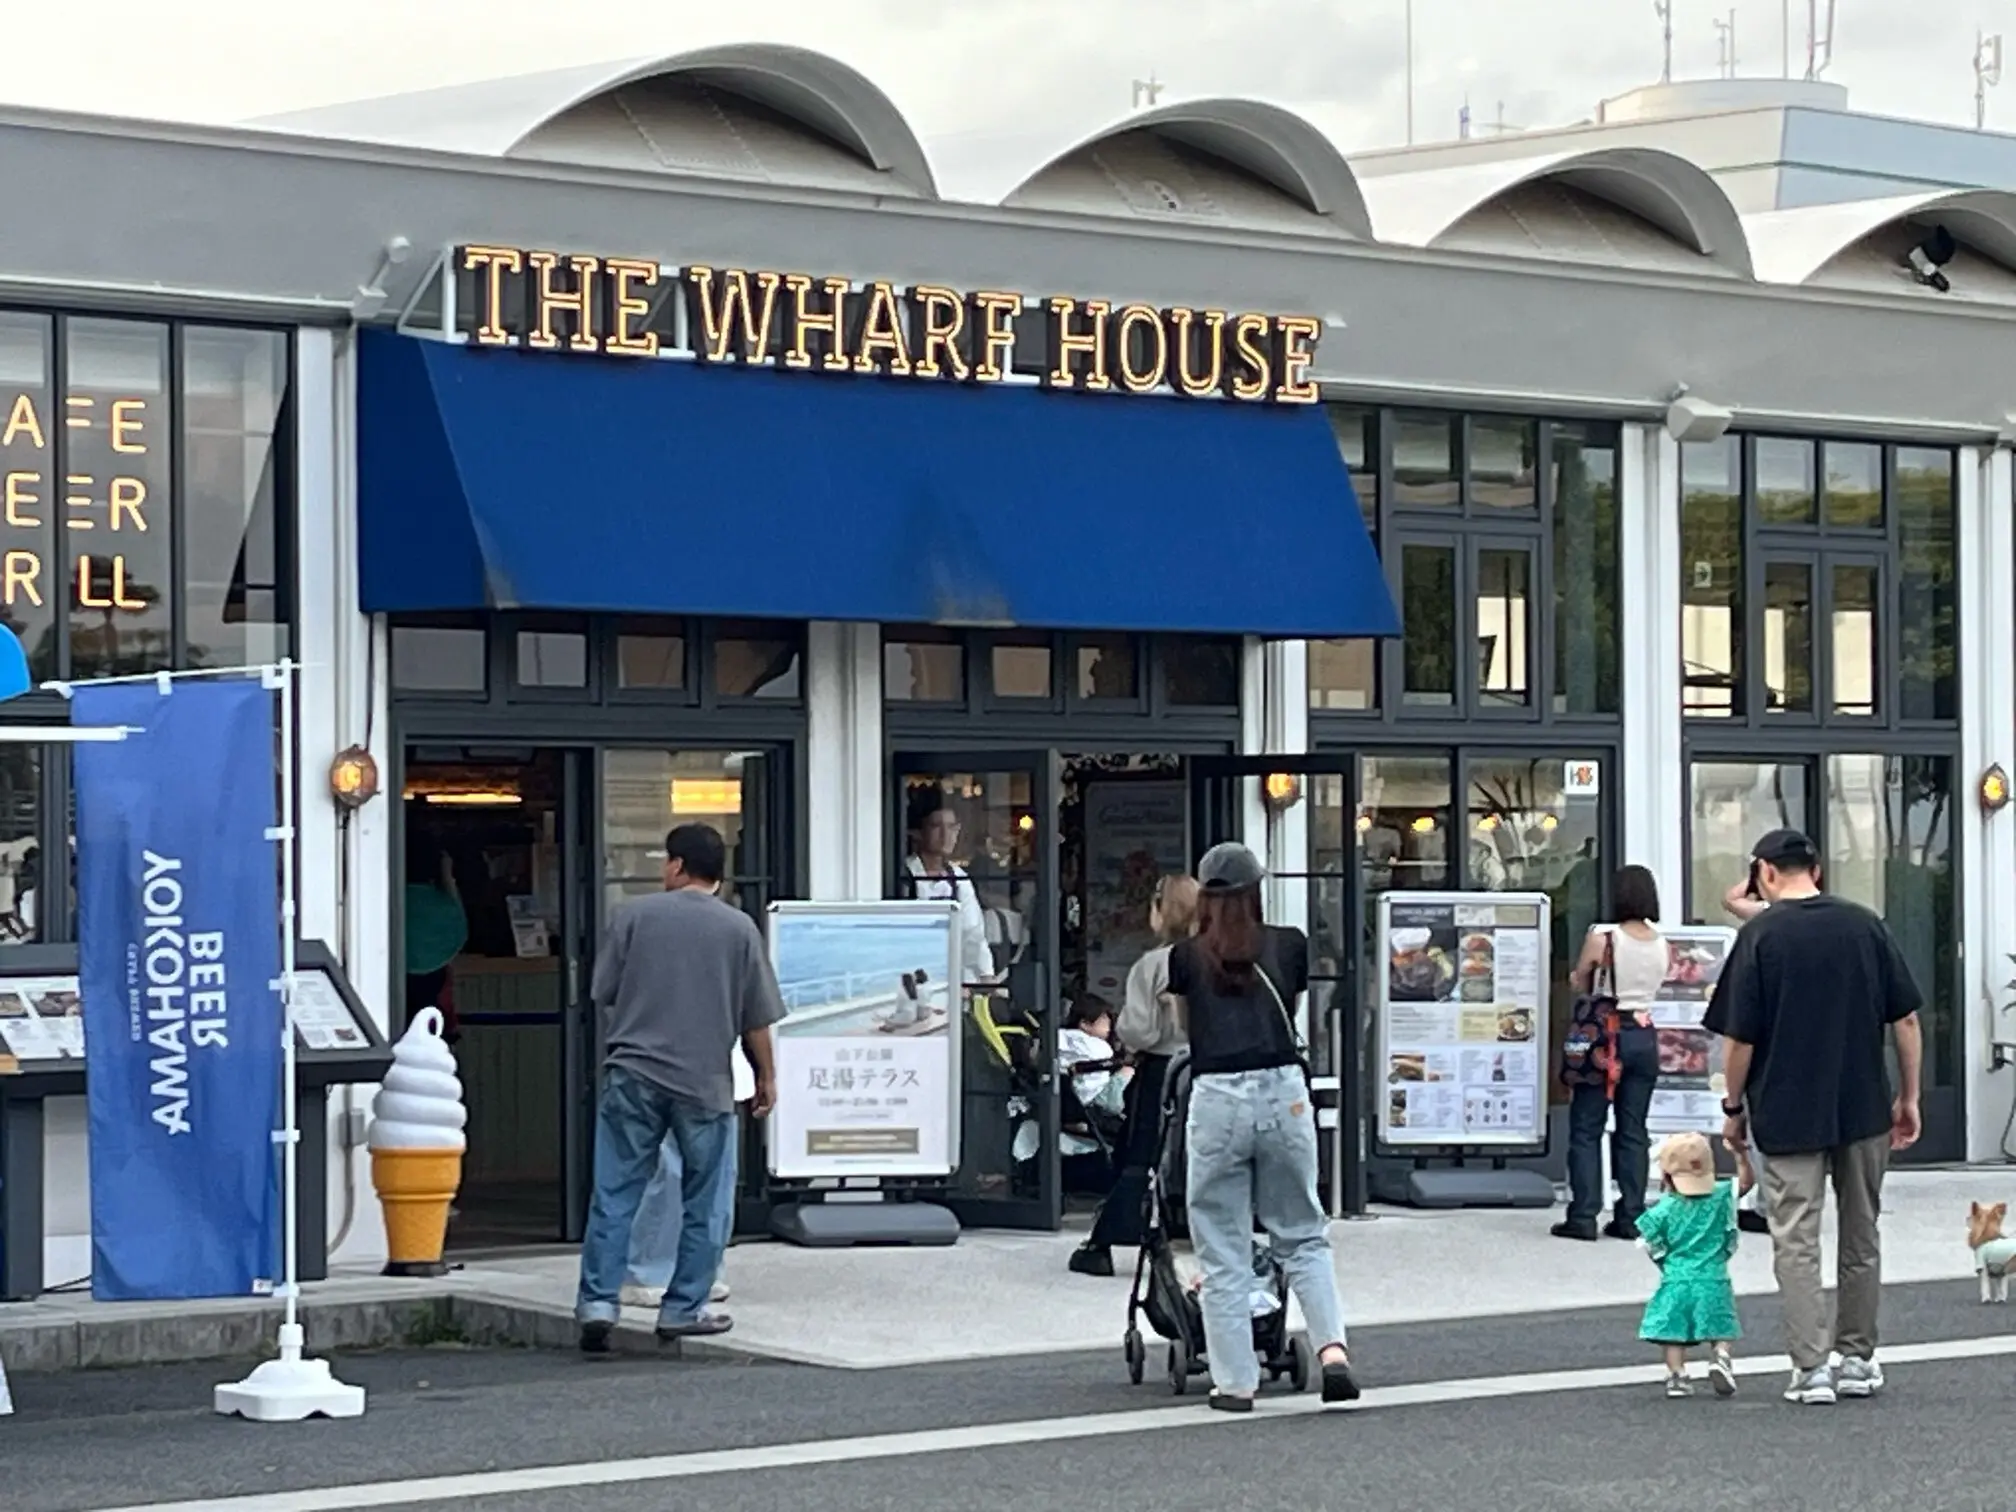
(1863, 243)
(1243, 162)
(551, 115)
(1678, 199)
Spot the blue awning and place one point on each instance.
(492, 479)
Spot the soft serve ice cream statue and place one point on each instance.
(416, 1142)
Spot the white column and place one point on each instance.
(1653, 778)
(843, 688)
(1987, 634)
(318, 647)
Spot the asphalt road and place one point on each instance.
(92, 1440)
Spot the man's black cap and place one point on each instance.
(1786, 847)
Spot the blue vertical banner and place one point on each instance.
(178, 923)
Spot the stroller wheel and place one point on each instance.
(1179, 1369)
(1137, 1356)
(1301, 1362)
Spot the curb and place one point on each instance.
(472, 1319)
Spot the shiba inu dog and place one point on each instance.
(1994, 1252)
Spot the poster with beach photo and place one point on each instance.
(867, 1054)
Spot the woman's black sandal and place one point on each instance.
(1339, 1384)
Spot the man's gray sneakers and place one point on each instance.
(1812, 1388)
(1858, 1378)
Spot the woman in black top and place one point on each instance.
(1252, 1128)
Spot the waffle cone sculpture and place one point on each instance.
(417, 1139)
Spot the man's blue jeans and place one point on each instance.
(634, 1122)
(654, 1236)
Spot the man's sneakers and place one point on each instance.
(1858, 1378)
(595, 1336)
(1812, 1388)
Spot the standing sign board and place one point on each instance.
(867, 1056)
(1688, 1098)
(1462, 1021)
(1135, 832)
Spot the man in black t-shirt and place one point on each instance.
(1803, 1002)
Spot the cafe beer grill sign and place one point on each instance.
(801, 322)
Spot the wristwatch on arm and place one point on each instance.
(1734, 1110)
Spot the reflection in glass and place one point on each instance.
(1428, 618)
(1106, 666)
(115, 498)
(31, 579)
(1022, 668)
(1344, 674)
(1357, 432)
(1927, 598)
(1854, 647)
(1403, 823)
(1854, 495)
(1890, 848)
(1586, 629)
(438, 659)
(1732, 805)
(1784, 481)
(1504, 583)
(1788, 637)
(923, 666)
(1200, 671)
(1711, 577)
(758, 659)
(1424, 461)
(552, 659)
(234, 383)
(1503, 464)
(651, 655)
(22, 916)
(646, 793)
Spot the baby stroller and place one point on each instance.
(1175, 1311)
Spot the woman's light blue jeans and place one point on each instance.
(1252, 1146)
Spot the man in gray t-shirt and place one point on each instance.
(682, 979)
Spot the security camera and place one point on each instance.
(1929, 256)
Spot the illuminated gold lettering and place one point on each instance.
(626, 309)
(879, 343)
(20, 577)
(1067, 346)
(936, 319)
(1137, 333)
(1296, 337)
(118, 598)
(19, 499)
(493, 263)
(79, 501)
(1251, 371)
(129, 494)
(729, 328)
(991, 314)
(22, 417)
(808, 323)
(1196, 334)
(122, 426)
(79, 402)
(84, 598)
(548, 301)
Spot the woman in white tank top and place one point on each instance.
(1629, 961)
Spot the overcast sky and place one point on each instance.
(989, 83)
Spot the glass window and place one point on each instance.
(31, 583)
(1711, 585)
(1503, 610)
(1428, 619)
(1105, 666)
(1357, 433)
(552, 659)
(1733, 803)
(651, 655)
(1424, 462)
(1927, 596)
(1200, 671)
(1504, 464)
(1856, 640)
(1586, 629)
(1784, 481)
(1854, 490)
(646, 793)
(1788, 637)
(116, 497)
(923, 666)
(1344, 674)
(235, 586)
(1404, 814)
(22, 914)
(757, 659)
(1022, 666)
(438, 659)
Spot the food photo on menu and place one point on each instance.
(1422, 965)
(1693, 968)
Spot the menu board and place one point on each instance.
(41, 1018)
(1688, 1097)
(1462, 1019)
(1134, 833)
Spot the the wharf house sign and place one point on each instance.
(623, 307)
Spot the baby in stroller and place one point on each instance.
(1169, 1297)
(1094, 1107)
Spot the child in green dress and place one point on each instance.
(1690, 1233)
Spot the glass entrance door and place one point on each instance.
(981, 828)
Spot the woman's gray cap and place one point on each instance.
(1229, 868)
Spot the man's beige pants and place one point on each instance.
(1795, 1193)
